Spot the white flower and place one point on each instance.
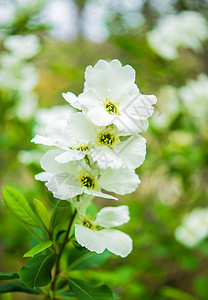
(97, 235)
(75, 178)
(18, 75)
(187, 30)
(104, 144)
(27, 105)
(23, 47)
(50, 124)
(168, 107)
(194, 227)
(195, 96)
(111, 97)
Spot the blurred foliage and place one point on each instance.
(174, 175)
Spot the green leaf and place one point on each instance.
(42, 213)
(85, 291)
(84, 259)
(38, 248)
(176, 294)
(38, 271)
(17, 286)
(8, 276)
(19, 207)
(61, 216)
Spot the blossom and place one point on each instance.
(185, 30)
(168, 107)
(104, 144)
(195, 96)
(194, 227)
(97, 235)
(111, 97)
(23, 47)
(18, 75)
(50, 124)
(68, 180)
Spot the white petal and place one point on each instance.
(121, 181)
(79, 129)
(106, 157)
(72, 99)
(89, 99)
(129, 124)
(50, 165)
(117, 242)
(140, 106)
(63, 186)
(112, 216)
(109, 80)
(43, 140)
(100, 117)
(70, 155)
(132, 151)
(90, 239)
(99, 194)
(43, 176)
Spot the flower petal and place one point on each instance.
(99, 194)
(38, 139)
(70, 155)
(117, 242)
(63, 186)
(109, 80)
(120, 181)
(79, 129)
(72, 99)
(132, 151)
(43, 176)
(90, 239)
(127, 123)
(106, 157)
(112, 216)
(100, 117)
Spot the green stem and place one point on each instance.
(57, 266)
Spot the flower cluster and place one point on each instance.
(194, 227)
(185, 30)
(97, 151)
(195, 96)
(19, 75)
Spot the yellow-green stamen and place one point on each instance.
(106, 138)
(87, 181)
(111, 108)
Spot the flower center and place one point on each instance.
(111, 108)
(82, 148)
(88, 224)
(106, 138)
(87, 181)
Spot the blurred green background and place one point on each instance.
(167, 44)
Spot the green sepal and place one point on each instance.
(38, 248)
(37, 272)
(85, 291)
(19, 207)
